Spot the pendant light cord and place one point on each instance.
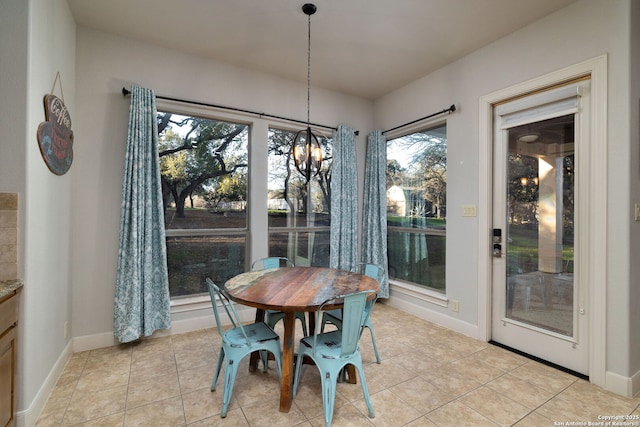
(308, 70)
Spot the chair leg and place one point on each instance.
(264, 356)
(296, 374)
(231, 369)
(218, 368)
(324, 322)
(342, 375)
(273, 348)
(329, 380)
(276, 354)
(365, 390)
(375, 346)
(305, 331)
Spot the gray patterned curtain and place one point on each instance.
(344, 201)
(142, 302)
(374, 217)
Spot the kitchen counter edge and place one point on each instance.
(9, 287)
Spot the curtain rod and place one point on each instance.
(446, 110)
(126, 92)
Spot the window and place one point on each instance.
(416, 208)
(203, 165)
(299, 212)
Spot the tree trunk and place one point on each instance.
(180, 206)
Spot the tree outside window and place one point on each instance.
(203, 164)
(416, 208)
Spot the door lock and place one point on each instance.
(497, 242)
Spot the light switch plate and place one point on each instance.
(469, 210)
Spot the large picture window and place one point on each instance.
(299, 212)
(203, 165)
(416, 208)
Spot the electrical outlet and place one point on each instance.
(637, 212)
(455, 305)
(66, 330)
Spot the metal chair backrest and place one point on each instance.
(372, 270)
(354, 315)
(216, 294)
(376, 272)
(271, 262)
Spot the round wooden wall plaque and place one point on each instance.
(55, 137)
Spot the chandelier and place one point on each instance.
(306, 150)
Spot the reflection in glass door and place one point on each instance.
(540, 225)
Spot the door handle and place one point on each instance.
(497, 250)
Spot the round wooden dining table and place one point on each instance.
(292, 290)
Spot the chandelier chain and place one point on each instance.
(308, 69)
(305, 148)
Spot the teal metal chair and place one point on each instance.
(333, 351)
(273, 316)
(334, 317)
(239, 342)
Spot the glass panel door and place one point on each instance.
(540, 223)
(537, 297)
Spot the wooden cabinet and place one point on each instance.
(8, 328)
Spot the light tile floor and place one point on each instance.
(429, 376)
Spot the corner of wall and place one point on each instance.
(624, 386)
(423, 312)
(29, 416)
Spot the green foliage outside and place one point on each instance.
(203, 158)
(522, 250)
(416, 206)
(407, 221)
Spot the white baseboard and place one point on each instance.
(91, 342)
(625, 386)
(205, 321)
(425, 313)
(29, 416)
(195, 323)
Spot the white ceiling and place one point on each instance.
(365, 48)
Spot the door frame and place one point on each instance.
(594, 272)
